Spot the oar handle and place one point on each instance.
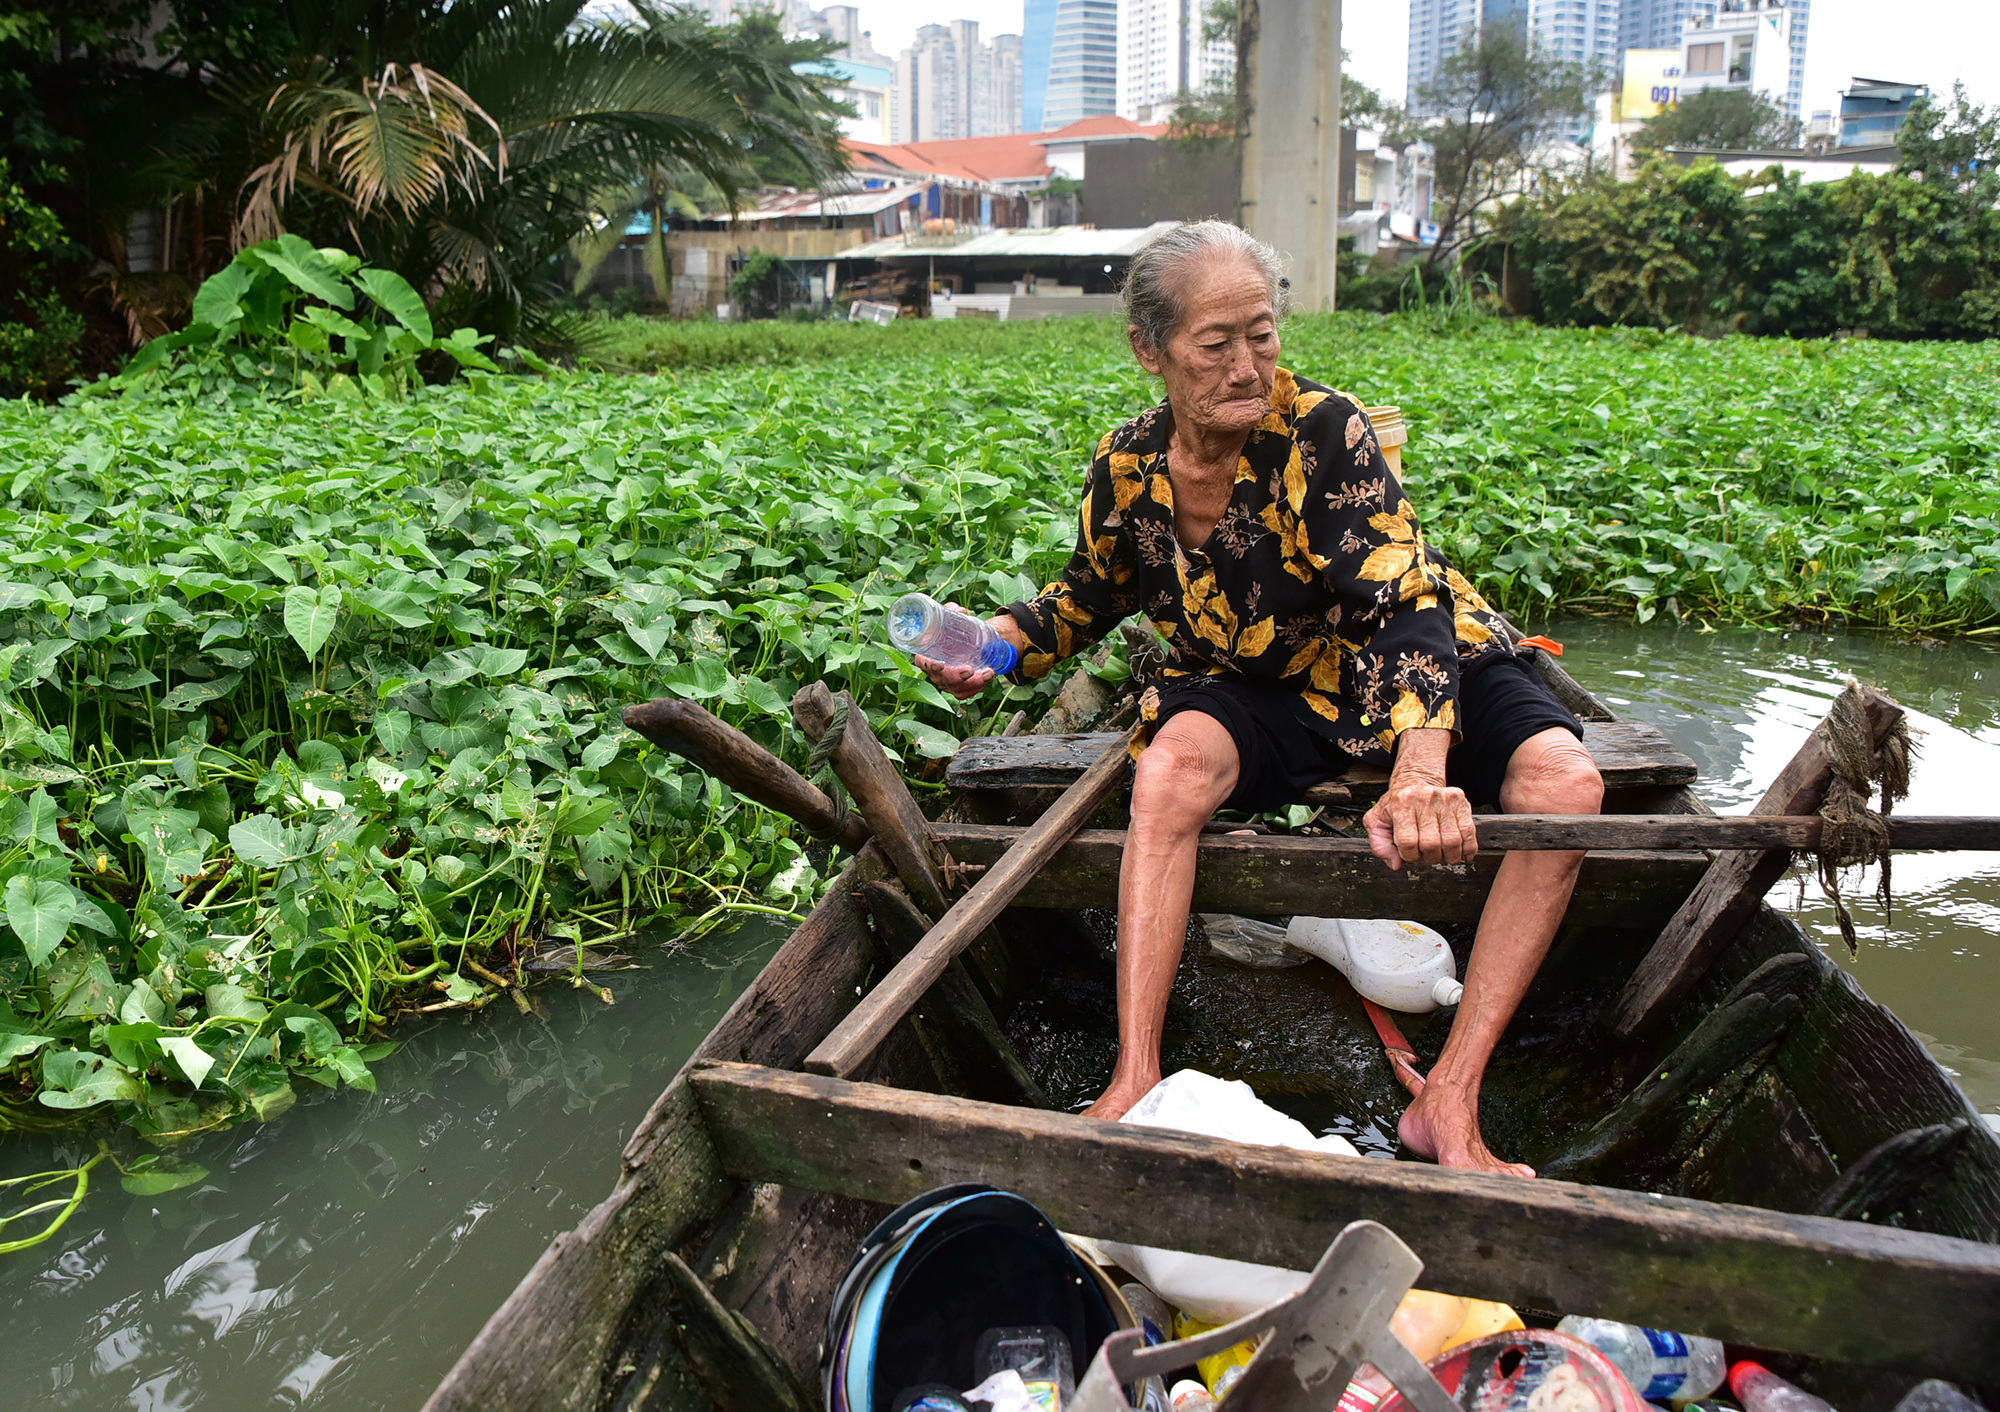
(745, 766)
(1800, 832)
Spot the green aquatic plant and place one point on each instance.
(309, 709)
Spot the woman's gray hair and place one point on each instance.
(1154, 283)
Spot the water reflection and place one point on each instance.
(347, 1252)
(1741, 702)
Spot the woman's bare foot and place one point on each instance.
(1117, 1100)
(1442, 1125)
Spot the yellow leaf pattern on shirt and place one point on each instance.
(1319, 587)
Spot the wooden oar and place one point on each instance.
(865, 1027)
(1800, 832)
(745, 766)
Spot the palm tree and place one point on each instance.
(467, 145)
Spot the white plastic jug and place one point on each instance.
(1398, 965)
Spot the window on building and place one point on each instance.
(1704, 59)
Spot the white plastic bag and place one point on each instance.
(1206, 1286)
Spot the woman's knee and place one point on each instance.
(1185, 773)
(1552, 773)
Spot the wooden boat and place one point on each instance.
(1776, 1161)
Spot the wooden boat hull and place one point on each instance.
(744, 1192)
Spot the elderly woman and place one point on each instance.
(1252, 519)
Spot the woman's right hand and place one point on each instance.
(961, 682)
(964, 683)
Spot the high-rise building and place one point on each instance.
(1162, 55)
(1038, 33)
(1006, 84)
(1083, 63)
(1581, 31)
(1758, 46)
(1651, 24)
(950, 85)
(1439, 28)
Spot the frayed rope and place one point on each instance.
(1851, 833)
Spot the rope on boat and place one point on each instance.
(1852, 833)
(819, 765)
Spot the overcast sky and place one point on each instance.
(1929, 41)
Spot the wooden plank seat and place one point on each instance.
(1628, 754)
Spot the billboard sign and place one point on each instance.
(1652, 83)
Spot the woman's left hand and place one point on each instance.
(1420, 818)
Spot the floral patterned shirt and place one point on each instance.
(1316, 580)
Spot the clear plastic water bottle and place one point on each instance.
(924, 627)
(1936, 1395)
(1761, 1390)
(1661, 1366)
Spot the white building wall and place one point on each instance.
(1763, 45)
(1161, 55)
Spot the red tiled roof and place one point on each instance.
(1015, 157)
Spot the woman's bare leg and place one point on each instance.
(1182, 778)
(1551, 773)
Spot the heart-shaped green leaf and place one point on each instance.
(309, 616)
(194, 1061)
(401, 302)
(39, 912)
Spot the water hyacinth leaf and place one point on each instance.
(143, 1004)
(173, 843)
(75, 1078)
(582, 816)
(233, 1002)
(156, 1174)
(461, 990)
(136, 1045)
(603, 856)
(309, 616)
(190, 1058)
(347, 1062)
(262, 841)
(703, 679)
(318, 1038)
(18, 1046)
(755, 691)
(39, 913)
(931, 743)
(191, 695)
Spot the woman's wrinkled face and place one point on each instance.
(1220, 361)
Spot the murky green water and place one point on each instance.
(344, 1254)
(1741, 702)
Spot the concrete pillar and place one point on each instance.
(1290, 79)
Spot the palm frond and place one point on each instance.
(405, 139)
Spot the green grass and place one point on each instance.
(311, 704)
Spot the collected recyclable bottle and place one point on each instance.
(923, 627)
(1661, 1366)
(1761, 1390)
(1190, 1396)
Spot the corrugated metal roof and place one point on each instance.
(1053, 242)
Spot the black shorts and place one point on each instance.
(1501, 703)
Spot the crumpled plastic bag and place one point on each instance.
(1206, 1286)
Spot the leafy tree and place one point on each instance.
(39, 332)
(1725, 119)
(1661, 249)
(782, 80)
(1495, 106)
